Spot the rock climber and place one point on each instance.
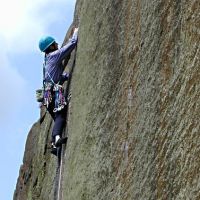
(54, 77)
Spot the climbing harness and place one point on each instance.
(60, 102)
(53, 91)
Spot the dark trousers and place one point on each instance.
(59, 120)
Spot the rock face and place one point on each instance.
(133, 120)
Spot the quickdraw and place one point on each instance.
(60, 101)
(47, 94)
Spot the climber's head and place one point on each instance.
(48, 44)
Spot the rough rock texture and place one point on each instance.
(133, 122)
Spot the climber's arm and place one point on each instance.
(68, 48)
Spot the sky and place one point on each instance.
(22, 24)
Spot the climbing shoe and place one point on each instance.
(60, 141)
(53, 149)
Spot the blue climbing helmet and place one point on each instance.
(45, 42)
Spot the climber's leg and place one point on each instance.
(60, 118)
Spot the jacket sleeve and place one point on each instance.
(68, 48)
